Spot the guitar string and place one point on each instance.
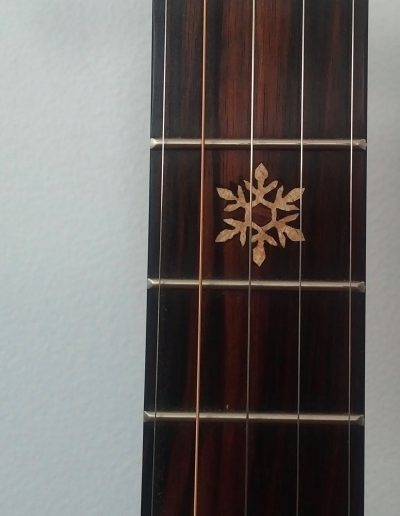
(251, 174)
(249, 290)
(159, 254)
(300, 260)
(200, 289)
(350, 256)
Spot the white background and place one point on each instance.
(74, 125)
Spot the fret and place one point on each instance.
(324, 470)
(325, 209)
(272, 474)
(278, 69)
(327, 70)
(182, 71)
(271, 451)
(357, 286)
(324, 385)
(360, 66)
(228, 99)
(173, 453)
(231, 143)
(157, 70)
(225, 444)
(180, 203)
(259, 417)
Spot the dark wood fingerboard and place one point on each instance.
(270, 93)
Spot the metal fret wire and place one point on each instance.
(159, 252)
(261, 417)
(270, 143)
(250, 251)
(350, 255)
(300, 260)
(199, 307)
(358, 286)
(251, 174)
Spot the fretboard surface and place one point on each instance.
(277, 426)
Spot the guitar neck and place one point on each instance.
(254, 395)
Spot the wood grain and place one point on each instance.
(277, 85)
(274, 337)
(326, 205)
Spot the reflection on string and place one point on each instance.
(200, 289)
(250, 250)
(159, 255)
(350, 257)
(300, 258)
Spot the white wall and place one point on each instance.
(383, 263)
(74, 125)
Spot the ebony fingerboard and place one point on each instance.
(254, 393)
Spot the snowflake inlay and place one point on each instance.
(260, 234)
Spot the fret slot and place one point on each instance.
(271, 143)
(357, 286)
(259, 417)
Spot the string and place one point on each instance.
(200, 290)
(253, 23)
(300, 262)
(350, 256)
(159, 253)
